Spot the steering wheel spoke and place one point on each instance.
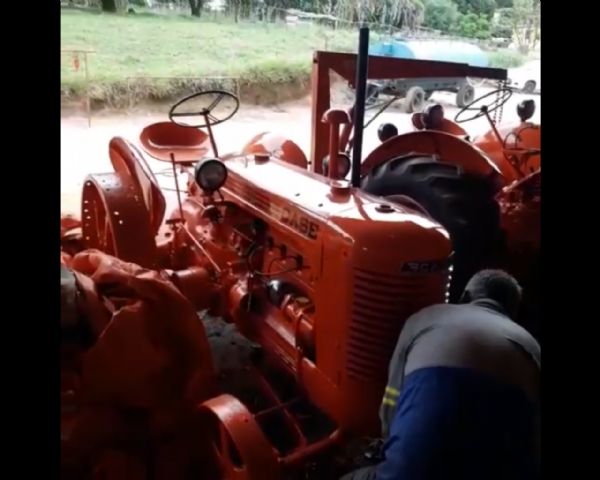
(502, 96)
(215, 102)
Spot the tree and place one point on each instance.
(478, 7)
(115, 6)
(196, 7)
(472, 25)
(441, 15)
(502, 26)
(399, 13)
(504, 3)
(238, 8)
(526, 23)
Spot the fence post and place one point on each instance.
(88, 102)
(76, 53)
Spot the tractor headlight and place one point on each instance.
(210, 174)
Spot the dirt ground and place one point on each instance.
(85, 150)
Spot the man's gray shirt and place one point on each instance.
(477, 335)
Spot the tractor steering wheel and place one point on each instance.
(212, 106)
(503, 95)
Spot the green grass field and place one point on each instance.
(173, 46)
(261, 55)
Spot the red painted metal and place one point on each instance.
(162, 139)
(518, 154)
(116, 219)
(334, 118)
(431, 142)
(380, 68)
(277, 146)
(326, 338)
(446, 125)
(150, 355)
(128, 162)
(241, 449)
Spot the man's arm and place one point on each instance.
(396, 372)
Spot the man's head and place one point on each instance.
(495, 285)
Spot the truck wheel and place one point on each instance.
(465, 95)
(463, 204)
(414, 100)
(529, 86)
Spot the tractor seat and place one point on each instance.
(163, 139)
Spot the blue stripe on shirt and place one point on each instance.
(456, 423)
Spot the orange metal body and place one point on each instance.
(325, 241)
(342, 238)
(431, 142)
(321, 275)
(511, 156)
(380, 68)
(447, 125)
(509, 161)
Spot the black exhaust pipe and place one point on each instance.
(362, 73)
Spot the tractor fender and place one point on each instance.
(444, 146)
(128, 162)
(278, 146)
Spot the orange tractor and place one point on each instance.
(493, 220)
(315, 272)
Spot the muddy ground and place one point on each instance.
(85, 150)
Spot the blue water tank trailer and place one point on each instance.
(416, 91)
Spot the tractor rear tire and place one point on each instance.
(465, 95)
(414, 100)
(462, 203)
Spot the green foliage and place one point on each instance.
(441, 15)
(114, 6)
(399, 13)
(503, 23)
(526, 23)
(506, 59)
(472, 25)
(478, 7)
(158, 46)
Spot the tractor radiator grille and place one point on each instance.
(382, 303)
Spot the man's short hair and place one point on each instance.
(495, 285)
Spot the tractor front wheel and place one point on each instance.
(462, 203)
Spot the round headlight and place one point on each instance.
(210, 174)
